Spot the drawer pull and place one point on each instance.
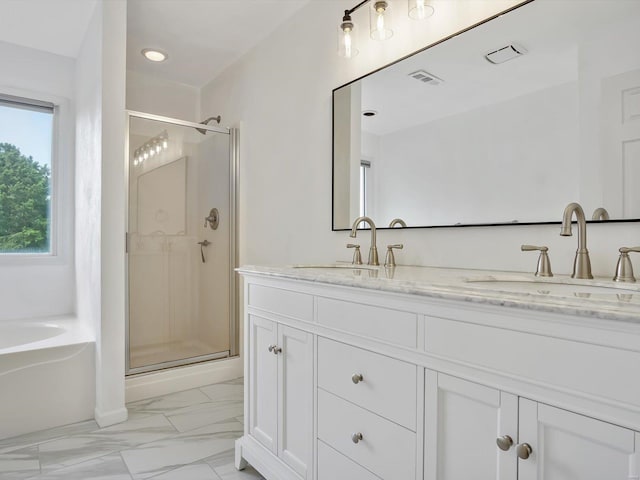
(274, 349)
(357, 378)
(356, 437)
(504, 442)
(524, 450)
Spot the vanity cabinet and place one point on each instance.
(462, 421)
(507, 437)
(367, 409)
(344, 382)
(280, 391)
(566, 445)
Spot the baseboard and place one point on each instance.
(148, 385)
(105, 419)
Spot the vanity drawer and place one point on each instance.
(393, 326)
(333, 465)
(386, 449)
(388, 386)
(283, 302)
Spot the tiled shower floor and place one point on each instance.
(181, 436)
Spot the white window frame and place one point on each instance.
(62, 184)
(365, 186)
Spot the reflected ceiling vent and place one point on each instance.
(506, 53)
(426, 77)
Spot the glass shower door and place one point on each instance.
(179, 244)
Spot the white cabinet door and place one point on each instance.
(462, 422)
(263, 382)
(569, 446)
(295, 401)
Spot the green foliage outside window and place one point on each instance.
(24, 202)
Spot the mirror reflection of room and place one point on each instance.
(498, 125)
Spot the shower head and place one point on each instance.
(205, 122)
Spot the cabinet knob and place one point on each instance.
(524, 450)
(357, 378)
(356, 437)
(505, 442)
(274, 349)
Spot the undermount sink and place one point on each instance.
(550, 287)
(344, 266)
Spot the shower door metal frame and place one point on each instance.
(234, 158)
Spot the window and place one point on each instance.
(365, 165)
(26, 140)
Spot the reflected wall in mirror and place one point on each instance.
(472, 142)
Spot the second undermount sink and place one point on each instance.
(538, 286)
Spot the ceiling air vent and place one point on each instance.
(426, 77)
(506, 53)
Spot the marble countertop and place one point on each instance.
(598, 298)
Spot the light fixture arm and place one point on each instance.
(347, 13)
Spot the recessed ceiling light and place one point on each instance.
(154, 55)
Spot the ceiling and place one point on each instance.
(55, 26)
(202, 37)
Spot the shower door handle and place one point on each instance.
(203, 243)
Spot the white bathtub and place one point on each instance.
(47, 374)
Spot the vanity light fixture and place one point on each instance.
(154, 55)
(153, 147)
(420, 9)
(380, 22)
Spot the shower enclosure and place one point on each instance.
(181, 243)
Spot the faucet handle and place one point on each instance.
(390, 259)
(543, 269)
(357, 257)
(624, 269)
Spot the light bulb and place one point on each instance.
(347, 43)
(346, 39)
(380, 21)
(158, 147)
(152, 151)
(145, 155)
(165, 144)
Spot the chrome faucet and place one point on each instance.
(600, 214)
(398, 221)
(581, 263)
(373, 250)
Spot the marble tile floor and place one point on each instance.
(181, 436)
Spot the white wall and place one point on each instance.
(519, 159)
(149, 94)
(37, 287)
(100, 200)
(281, 90)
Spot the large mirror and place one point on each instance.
(505, 123)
